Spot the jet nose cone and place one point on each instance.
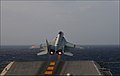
(60, 32)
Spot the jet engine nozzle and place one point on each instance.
(59, 52)
(52, 52)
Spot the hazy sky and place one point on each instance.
(83, 22)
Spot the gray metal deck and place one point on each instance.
(68, 67)
(25, 68)
(80, 68)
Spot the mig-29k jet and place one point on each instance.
(58, 45)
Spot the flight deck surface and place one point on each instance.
(53, 68)
(80, 68)
(25, 68)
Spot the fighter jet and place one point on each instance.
(58, 45)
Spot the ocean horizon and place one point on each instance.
(107, 56)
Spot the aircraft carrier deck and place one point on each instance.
(36, 68)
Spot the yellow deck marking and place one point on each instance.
(48, 72)
(52, 63)
(50, 68)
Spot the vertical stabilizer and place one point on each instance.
(46, 50)
(47, 45)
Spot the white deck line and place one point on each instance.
(96, 68)
(6, 69)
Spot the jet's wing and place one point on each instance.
(70, 45)
(42, 53)
(68, 53)
(42, 47)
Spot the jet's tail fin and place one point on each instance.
(47, 45)
(45, 51)
(68, 53)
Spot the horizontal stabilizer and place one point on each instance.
(68, 53)
(42, 53)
